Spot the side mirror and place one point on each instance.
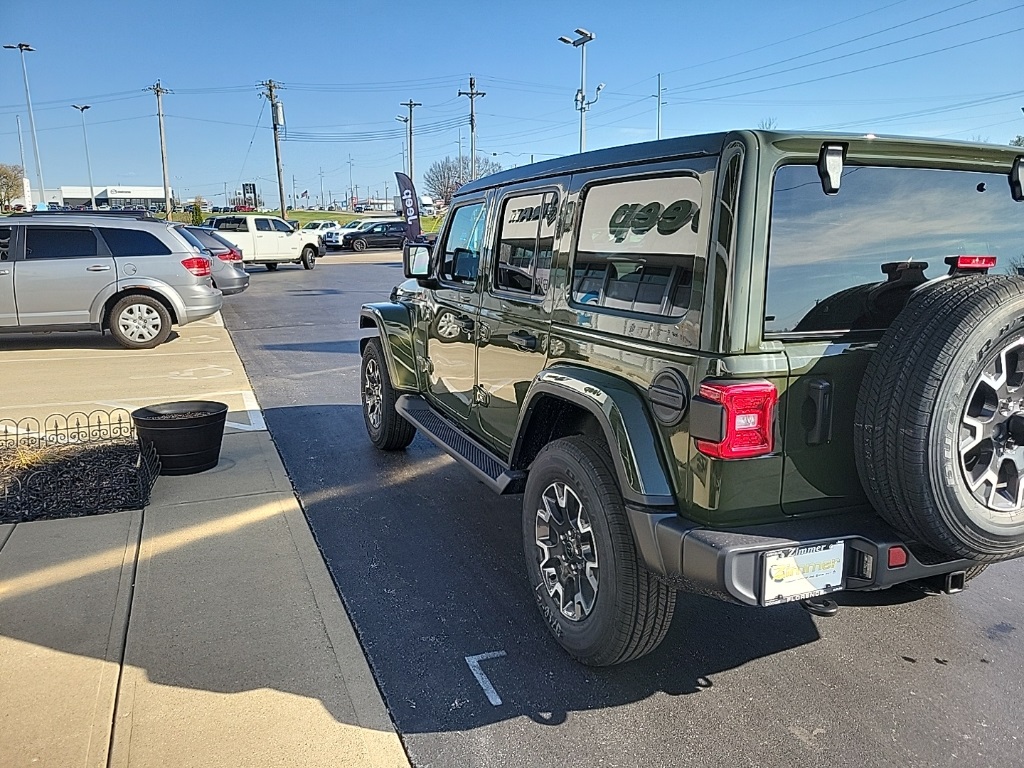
(416, 260)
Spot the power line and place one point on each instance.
(714, 82)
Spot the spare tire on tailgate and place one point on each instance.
(939, 426)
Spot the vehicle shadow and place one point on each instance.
(350, 346)
(61, 340)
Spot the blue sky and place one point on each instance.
(946, 68)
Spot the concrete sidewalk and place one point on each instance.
(204, 630)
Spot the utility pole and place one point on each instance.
(295, 200)
(322, 204)
(350, 179)
(160, 91)
(660, 92)
(473, 94)
(23, 47)
(408, 121)
(277, 113)
(226, 203)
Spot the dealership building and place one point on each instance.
(105, 195)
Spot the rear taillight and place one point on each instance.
(975, 262)
(197, 265)
(231, 255)
(748, 419)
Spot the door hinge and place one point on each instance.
(480, 396)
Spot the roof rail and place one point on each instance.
(140, 215)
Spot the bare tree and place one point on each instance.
(11, 184)
(444, 177)
(768, 124)
(1018, 141)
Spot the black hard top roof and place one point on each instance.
(713, 143)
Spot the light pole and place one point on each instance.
(88, 163)
(31, 119)
(581, 95)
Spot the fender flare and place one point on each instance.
(395, 328)
(620, 410)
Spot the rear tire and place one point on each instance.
(597, 599)
(272, 266)
(308, 257)
(139, 322)
(359, 245)
(386, 428)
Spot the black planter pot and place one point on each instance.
(186, 435)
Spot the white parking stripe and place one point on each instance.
(478, 673)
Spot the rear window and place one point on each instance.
(190, 238)
(637, 246)
(232, 224)
(206, 239)
(848, 262)
(132, 242)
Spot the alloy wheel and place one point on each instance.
(992, 434)
(373, 393)
(567, 551)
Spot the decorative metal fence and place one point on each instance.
(73, 465)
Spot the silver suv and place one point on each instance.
(133, 276)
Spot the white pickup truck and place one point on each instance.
(269, 240)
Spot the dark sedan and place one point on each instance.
(383, 235)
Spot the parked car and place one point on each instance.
(741, 364)
(228, 274)
(333, 237)
(323, 226)
(377, 235)
(131, 276)
(269, 240)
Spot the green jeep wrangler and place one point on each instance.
(758, 366)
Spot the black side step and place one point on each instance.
(487, 467)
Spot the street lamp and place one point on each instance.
(581, 95)
(31, 119)
(408, 123)
(88, 163)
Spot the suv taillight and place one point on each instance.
(197, 265)
(231, 255)
(748, 420)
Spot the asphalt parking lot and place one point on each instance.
(429, 566)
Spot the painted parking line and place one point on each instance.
(478, 673)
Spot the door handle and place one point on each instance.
(464, 323)
(5, 271)
(98, 268)
(523, 340)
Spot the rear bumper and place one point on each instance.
(728, 564)
(200, 301)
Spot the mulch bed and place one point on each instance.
(49, 481)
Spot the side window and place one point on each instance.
(460, 255)
(5, 243)
(132, 242)
(263, 225)
(60, 243)
(397, 229)
(280, 226)
(525, 243)
(232, 224)
(637, 245)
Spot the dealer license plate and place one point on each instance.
(797, 573)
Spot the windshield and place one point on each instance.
(827, 252)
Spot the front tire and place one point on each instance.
(359, 245)
(386, 428)
(597, 599)
(308, 257)
(139, 322)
